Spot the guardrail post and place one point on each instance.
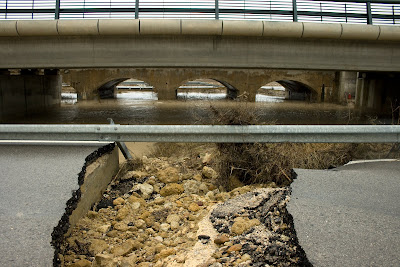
(216, 9)
(369, 13)
(121, 145)
(137, 9)
(294, 10)
(57, 10)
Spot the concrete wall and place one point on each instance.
(28, 93)
(198, 43)
(167, 80)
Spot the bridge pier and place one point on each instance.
(30, 91)
(347, 83)
(378, 92)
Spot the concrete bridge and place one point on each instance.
(243, 55)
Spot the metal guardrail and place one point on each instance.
(351, 11)
(205, 133)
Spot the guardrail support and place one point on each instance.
(121, 145)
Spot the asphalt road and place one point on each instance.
(36, 182)
(349, 216)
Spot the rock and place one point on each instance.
(209, 173)
(122, 213)
(210, 195)
(128, 261)
(203, 189)
(165, 227)
(159, 239)
(81, 263)
(172, 189)
(135, 175)
(104, 228)
(119, 201)
(173, 220)
(123, 227)
(133, 199)
(141, 224)
(92, 214)
(223, 196)
(245, 257)
(126, 247)
(206, 159)
(191, 186)
(221, 239)
(165, 253)
(97, 246)
(135, 205)
(145, 189)
(243, 224)
(104, 260)
(112, 233)
(236, 247)
(194, 207)
(168, 175)
(198, 177)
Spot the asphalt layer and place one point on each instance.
(36, 182)
(349, 216)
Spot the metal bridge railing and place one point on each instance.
(205, 133)
(340, 11)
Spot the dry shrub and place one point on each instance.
(265, 163)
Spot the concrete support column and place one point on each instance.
(347, 85)
(166, 94)
(369, 92)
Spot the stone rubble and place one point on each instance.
(168, 213)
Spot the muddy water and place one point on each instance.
(128, 111)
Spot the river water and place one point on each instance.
(134, 111)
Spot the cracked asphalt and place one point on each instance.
(349, 216)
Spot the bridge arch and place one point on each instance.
(289, 89)
(220, 88)
(126, 88)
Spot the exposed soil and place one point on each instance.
(174, 211)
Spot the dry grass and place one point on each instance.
(273, 162)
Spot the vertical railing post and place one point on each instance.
(394, 18)
(5, 15)
(137, 9)
(57, 10)
(216, 9)
(294, 10)
(369, 13)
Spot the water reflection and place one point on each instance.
(130, 111)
